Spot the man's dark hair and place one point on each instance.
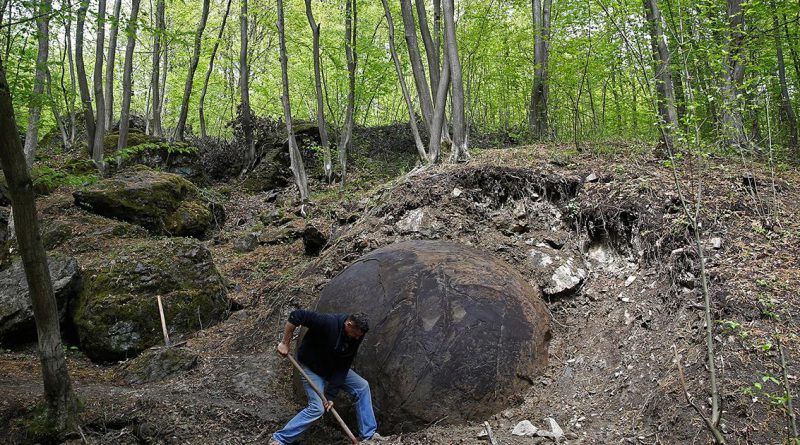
(360, 321)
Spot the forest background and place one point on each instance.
(731, 83)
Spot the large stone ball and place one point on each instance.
(455, 334)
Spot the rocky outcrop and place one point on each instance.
(116, 315)
(454, 332)
(163, 203)
(173, 157)
(17, 324)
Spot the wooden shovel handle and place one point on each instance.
(324, 400)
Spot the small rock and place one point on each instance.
(524, 428)
(313, 240)
(247, 243)
(539, 258)
(716, 243)
(457, 192)
(591, 178)
(630, 280)
(411, 222)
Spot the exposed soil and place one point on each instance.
(612, 375)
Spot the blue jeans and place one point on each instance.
(354, 384)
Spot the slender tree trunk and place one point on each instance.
(786, 100)
(70, 102)
(537, 114)
(665, 92)
(163, 84)
(201, 106)
(35, 108)
(56, 113)
(423, 91)
(62, 406)
(731, 112)
(434, 145)
(83, 82)
(406, 95)
(323, 128)
(345, 138)
(99, 101)
(244, 88)
(127, 87)
(430, 49)
(110, 69)
(155, 76)
(187, 89)
(792, 50)
(460, 152)
(294, 153)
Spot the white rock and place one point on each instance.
(524, 428)
(716, 242)
(412, 221)
(456, 192)
(630, 280)
(554, 428)
(539, 258)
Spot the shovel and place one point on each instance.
(324, 400)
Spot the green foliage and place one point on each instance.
(129, 152)
(49, 178)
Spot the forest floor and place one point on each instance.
(612, 375)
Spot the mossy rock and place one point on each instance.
(116, 314)
(157, 364)
(80, 167)
(163, 203)
(173, 157)
(55, 233)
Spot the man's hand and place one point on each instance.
(328, 405)
(283, 349)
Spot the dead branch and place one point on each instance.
(713, 428)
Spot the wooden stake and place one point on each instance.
(324, 400)
(163, 321)
(489, 433)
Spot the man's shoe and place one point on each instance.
(375, 439)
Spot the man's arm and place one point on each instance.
(284, 345)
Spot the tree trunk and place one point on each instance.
(430, 49)
(62, 406)
(127, 87)
(70, 102)
(665, 92)
(323, 128)
(731, 112)
(35, 109)
(99, 101)
(298, 169)
(786, 100)
(406, 95)
(460, 152)
(423, 91)
(244, 89)
(345, 138)
(434, 147)
(83, 82)
(110, 69)
(56, 113)
(156, 75)
(537, 114)
(187, 89)
(201, 106)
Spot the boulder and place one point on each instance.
(163, 203)
(17, 324)
(116, 315)
(157, 364)
(455, 332)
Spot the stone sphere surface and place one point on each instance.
(455, 334)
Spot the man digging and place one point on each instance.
(325, 354)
